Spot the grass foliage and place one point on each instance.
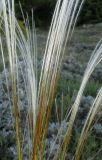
(40, 94)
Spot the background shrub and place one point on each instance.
(43, 9)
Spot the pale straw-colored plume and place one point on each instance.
(41, 94)
(22, 45)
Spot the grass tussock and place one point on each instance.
(40, 94)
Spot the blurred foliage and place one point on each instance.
(92, 12)
(43, 9)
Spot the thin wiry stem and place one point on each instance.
(9, 24)
(63, 19)
(94, 61)
(95, 108)
(15, 40)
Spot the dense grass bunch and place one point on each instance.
(41, 94)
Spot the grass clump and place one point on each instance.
(40, 94)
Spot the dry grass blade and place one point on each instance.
(93, 62)
(17, 42)
(9, 25)
(63, 19)
(94, 110)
